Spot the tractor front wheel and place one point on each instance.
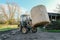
(24, 30)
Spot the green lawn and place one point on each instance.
(7, 27)
(52, 30)
(45, 30)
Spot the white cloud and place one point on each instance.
(52, 6)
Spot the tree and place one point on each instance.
(9, 14)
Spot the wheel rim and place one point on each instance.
(24, 30)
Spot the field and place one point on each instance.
(7, 27)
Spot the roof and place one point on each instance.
(55, 14)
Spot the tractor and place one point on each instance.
(39, 16)
(26, 24)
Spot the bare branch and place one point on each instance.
(4, 12)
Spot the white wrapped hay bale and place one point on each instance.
(39, 15)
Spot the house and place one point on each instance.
(54, 16)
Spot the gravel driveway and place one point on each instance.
(16, 35)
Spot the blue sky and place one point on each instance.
(28, 4)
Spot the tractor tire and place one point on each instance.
(24, 30)
(34, 30)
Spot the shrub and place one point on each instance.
(54, 25)
(2, 22)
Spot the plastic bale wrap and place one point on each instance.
(39, 15)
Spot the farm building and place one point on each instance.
(54, 16)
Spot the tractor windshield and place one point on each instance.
(24, 17)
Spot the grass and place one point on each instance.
(7, 27)
(10, 27)
(52, 30)
(45, 30)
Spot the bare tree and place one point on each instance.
(13, 9)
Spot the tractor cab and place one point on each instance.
(24, 17)
(25, 23)
(25, 20)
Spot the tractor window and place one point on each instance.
(23, 18)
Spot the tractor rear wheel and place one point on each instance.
(34, 30)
